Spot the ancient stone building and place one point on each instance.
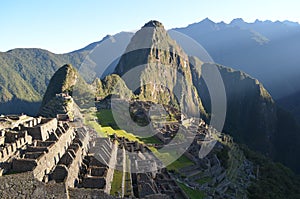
(55, 158)
(47, 150)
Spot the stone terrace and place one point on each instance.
(57, 159)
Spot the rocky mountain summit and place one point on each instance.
(160, 69)
(57, 99)
(66, 91)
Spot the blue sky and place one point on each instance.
(65, 25)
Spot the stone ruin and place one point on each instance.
(48, 150)
(142, 173)
(52, 158)
(97, 169)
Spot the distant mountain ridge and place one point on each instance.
(266, 50)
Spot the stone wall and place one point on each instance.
(50, 159)
(75, 193)
(47, 160)
(43, 129)
(112, 165)
(2, 140)
(49, 191)
(33, 122)
(28, 187)
(74, 167)
(12, 187)
(11, 148)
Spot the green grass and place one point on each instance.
(181, 162)
(105, 130)
(193, 194)
(116, 185)
(128, 191)
(203, 180)
(150, 140)
(89, 120)
(109, 127)
(97, 128)
(119, 133)
(106, 118)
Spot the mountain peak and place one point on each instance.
(207, 20)
(290, 23)
(153, 23)
(237, 21)
(61, 82)
(67, 67)
(152, 60)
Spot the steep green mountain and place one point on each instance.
(66, 88)
(37, 66)
(114, 85)
(266, 50)
(15, 93)
(25, 73)
(156, 69)
(252, 117)
(273, 179)
(62, 81)
(251, 112)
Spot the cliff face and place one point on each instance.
(57, 99)
(62, 81)
(114, 85)
(251, 115)
(59, 105)
(65, 91)
(155, 68)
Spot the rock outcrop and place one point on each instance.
(155, 68)
(57, 99)
(65, 91)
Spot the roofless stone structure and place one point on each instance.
(54, 158)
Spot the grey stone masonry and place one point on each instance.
(41, 163)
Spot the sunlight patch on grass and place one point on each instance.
(151, 140)
(193, 194)
(116, 185)
(181, 162)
